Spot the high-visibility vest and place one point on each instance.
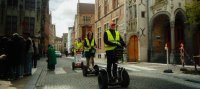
(78, 45)
(88, 44)
(111, 39)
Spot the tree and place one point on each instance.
(193, 12)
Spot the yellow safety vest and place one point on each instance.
(111, 39)
(78, 45)
(88, 44)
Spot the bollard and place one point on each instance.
(168, 70)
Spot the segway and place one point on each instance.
(77, 63)
(122, 75)
(89, 71)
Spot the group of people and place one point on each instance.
(112, 40)
(19, 55)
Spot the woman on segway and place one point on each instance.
(112, 40)
(89, 47)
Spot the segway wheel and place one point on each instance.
(82, 65)
(73, 65)
(96, 68)
(103, 79)
(84, 71)
(125, 79)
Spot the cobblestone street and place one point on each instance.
(65, 78)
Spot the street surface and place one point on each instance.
(141, 78)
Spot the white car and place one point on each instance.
(58, 54)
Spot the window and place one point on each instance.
(86, 19)
(99, 37)
(105, 7)
(135, 11)
(99, 12)
(30, 4)
(143, 14)
(106, 26)
(12, 3)
(30, 24)
(115, 4)
(11, 24)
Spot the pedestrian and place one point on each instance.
(112, 40)
(51, 58)
(29, 53)
(89, 48)
(35, 55)
(182, 54)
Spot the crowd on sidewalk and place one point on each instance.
(18, 56)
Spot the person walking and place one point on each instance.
(51, 58)
(89, 48)
(112, 40)
(29, 51)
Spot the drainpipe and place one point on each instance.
(149, 32)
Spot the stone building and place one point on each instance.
(84, 19)
(106, 11)
(150, 25)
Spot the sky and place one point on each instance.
(63, 14)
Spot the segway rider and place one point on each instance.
(78, 45)
(89, 47)
(78, 49)
(112, 40)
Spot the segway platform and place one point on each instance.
(77, 63)
(94, 71)
(122, 78)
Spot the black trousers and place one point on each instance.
(111, 64)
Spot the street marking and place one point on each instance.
(59, 71)
(130, 67)
(141, 68)
(78, 71)
(104, 66)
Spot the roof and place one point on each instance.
(86, 8)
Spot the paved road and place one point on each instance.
(65, 78)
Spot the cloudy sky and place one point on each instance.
(63, 12)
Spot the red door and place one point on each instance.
(133, 49)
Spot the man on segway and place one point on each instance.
(112, 40)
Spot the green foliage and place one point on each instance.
(193, 12)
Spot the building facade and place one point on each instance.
(152, 25)
(69, 41)
(65, 42)
(24, 16)
(106, 11)
(84, 20)
(52, 34)
(136, 30)
(147, 26)
(58, 44)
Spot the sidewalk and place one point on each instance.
(23, 82)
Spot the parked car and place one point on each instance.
(58, 54)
